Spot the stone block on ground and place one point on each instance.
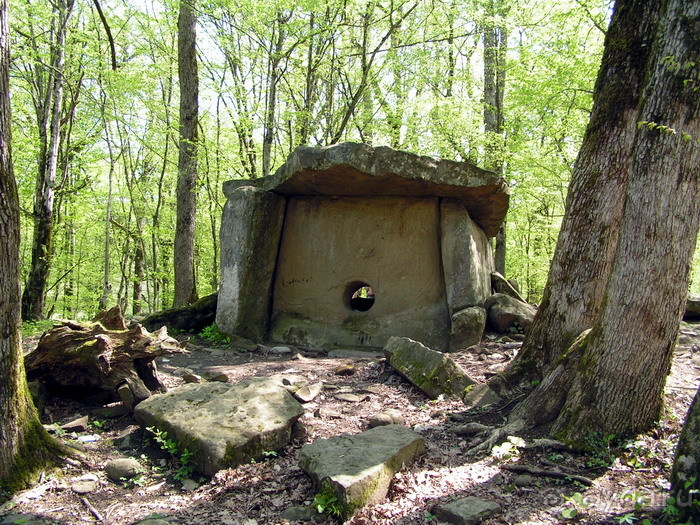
(122, 468)
(433, 372)
(479, 396)
(502, 285)
(466, 511)
(358, 468)
(507, 314)
(223, 424)
(467, 328)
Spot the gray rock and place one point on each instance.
(390, 416)
(79, 424)
(358, 468)
(215, 376)
(342, 353)
(692, 308)
(506, 313)
(222, 424)
(85, 484)
(192, 378)
(308, 393)
(523, 480)
(501, 285)
(433, 372)
(280, 350)
(126, 395)
(302, 513)
(467, 328)
(251, 226)
(127, 437)
(479, 396)
(122, 468)
(189, 485)
(469, 429)
(350, 398)
(467, 260)
(466, 511)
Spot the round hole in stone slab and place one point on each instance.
(360, 296)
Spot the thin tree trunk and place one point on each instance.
(271, 103)
(24, 444)
(495, 39)
(184, 256)
(42, 245)
(584, 256)
(611, 381)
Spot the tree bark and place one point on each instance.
(49, 132)
(495, 38)
(685, 476)
(588, 239)
(185, 284)
(611, 380)
(24, 445)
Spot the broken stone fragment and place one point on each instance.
(357, 469)
(433, 372)
(466, 511)
(122, 468)
(467, 328)
(308, 393)
(223, 424)
(79, 424)
(390, 416)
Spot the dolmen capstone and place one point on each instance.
(348, 245)
(223, 425)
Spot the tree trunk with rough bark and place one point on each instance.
(685, 476)
(24, 445)
(49, 114)
(610, 381)
(587, 242)
(185, 283)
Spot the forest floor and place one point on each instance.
(628, 479)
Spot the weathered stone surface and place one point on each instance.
(692, 308)
(222, 424)
(390, 244)
(344, 353)
(467, 259)
(79, 424)
(122, 468)
(302, 513)
(308, 393)
(467, 328)
(251, 226)
(390, 416)
(480, 395)
(358, 468)
(506, 313)
(501, 285)
(433, 372)
(360, 169)
(466, 511)
(85, 484)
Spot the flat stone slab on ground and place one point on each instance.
(223, 424)
(466, 511)
(358, 468)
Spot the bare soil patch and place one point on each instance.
(622, 474)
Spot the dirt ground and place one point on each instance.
(628, 480)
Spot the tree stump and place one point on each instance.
(82, 360)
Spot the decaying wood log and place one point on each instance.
(87, 359)
(193, 318)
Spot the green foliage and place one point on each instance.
(576, 504)
(509, 449)
(32, 328)
(327, 503)
(212, 335)
(182, 458)
(599, 449)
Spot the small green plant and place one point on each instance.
(269, 454)
(516, 328)
(638, 498)
(98, 424)
(182, 459)
(212, 335)
(327, 503)
(139, 480)
(575, 505)
(627, 519)
(600, 450)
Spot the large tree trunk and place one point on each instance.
(185, 285)
(611, 380)
(24, 445)
(585, 252)
(49, 132)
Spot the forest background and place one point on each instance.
(504, 84)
